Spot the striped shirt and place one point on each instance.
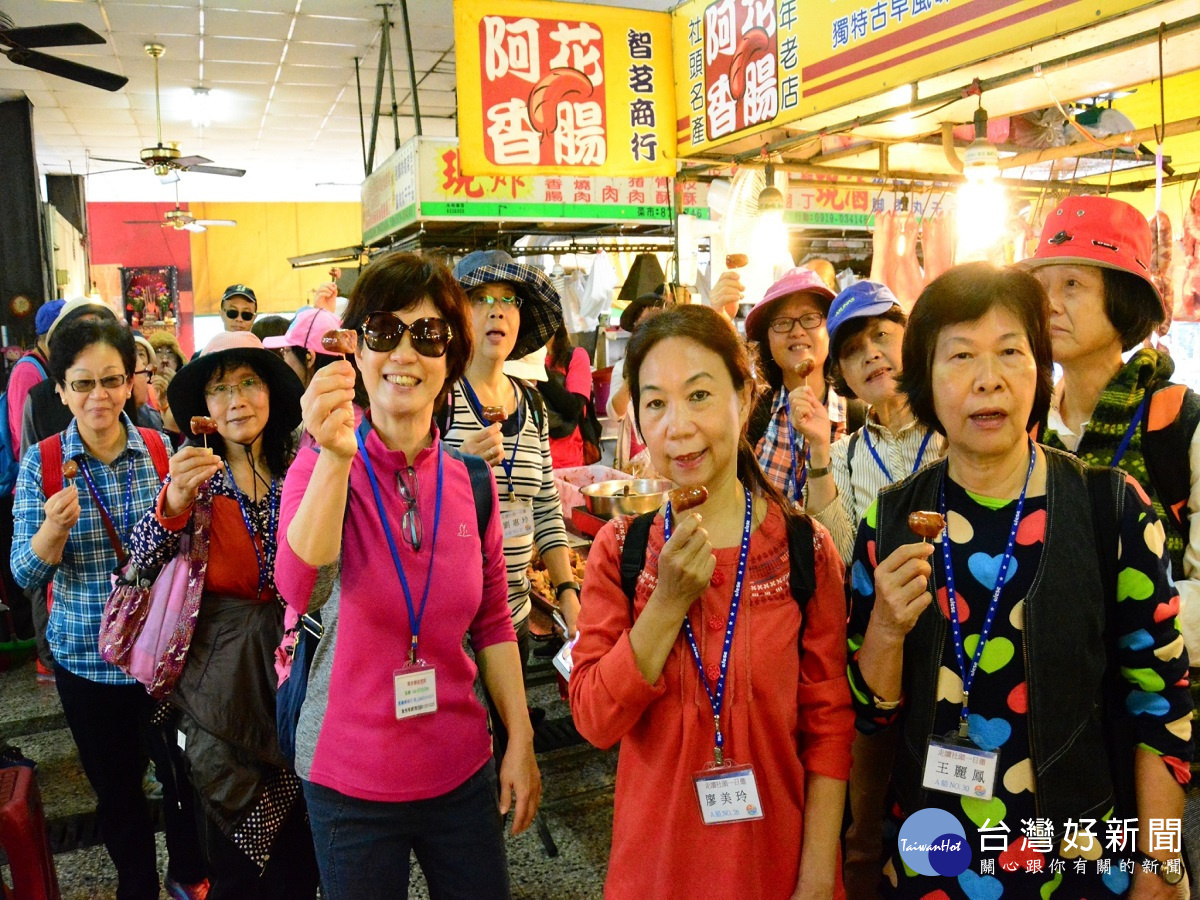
(860, 478)
(532, 480)
(81, 579)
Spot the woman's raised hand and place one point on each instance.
(62, 510)
(810, 417)
(685, 566)
(902, 590)
(190, 468)
(486, 443)
(328, 407)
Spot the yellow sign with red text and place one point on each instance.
(745, 66)
(552, 88)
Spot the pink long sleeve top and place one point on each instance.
(348, 738)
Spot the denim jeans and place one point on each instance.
(363, 845)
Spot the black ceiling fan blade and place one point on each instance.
(68, 34)
(186, 162)
(128, 162)
(218, 170)
(64, 69)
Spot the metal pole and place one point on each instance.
(383, 50)
(362, 127)
(412, 69)
(392, 80)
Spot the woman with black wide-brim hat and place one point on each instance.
(254, 830)
(515, 310)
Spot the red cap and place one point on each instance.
(1096, 231)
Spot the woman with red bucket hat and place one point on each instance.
(1093, 258)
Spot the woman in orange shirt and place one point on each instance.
(734, 720)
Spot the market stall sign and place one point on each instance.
(424, 180)
(744, 66)
(816, 202)
(563, 89)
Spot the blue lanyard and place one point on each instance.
(414, 615)
(879, 462)
(265, 566)
(506, 464)
(799, 473)
(968, 677)
(127, 516)
(717, 699)
(1130, 431)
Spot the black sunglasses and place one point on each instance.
(382, 332)
(246, 314)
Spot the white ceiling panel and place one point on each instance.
(152, 21)
(76, 97)
(321, 97)
(315, 54)
(328, 30)
(42, 127)
(262, 74)
(242, 50)
(333, 76)
(270, 25)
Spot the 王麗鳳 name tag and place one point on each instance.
(956, 766)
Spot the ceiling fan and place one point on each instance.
(165, 159)
(16, 44)
(182, 220)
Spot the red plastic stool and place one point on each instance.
(23, 836)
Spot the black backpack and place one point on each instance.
(802, 577)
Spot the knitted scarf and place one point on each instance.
(1114, 413)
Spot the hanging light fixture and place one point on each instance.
(201, 107)
(982, 201)
(770, 198)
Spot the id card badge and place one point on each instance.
(727, 794)
(956, 766)
(516, 517)
(416, 690)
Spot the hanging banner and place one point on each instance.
(745, 66)
(564, 89)
(424, 181)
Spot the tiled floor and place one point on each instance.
(577, 802)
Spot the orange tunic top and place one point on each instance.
(783, 714)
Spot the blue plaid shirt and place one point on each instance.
(81, 580)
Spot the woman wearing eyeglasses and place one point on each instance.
(514, 311)
(379, 531)
(225, 489)
(71, 539)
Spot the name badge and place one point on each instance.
(956, 766)
(516, 517)
(562, 659)
(416, 690)
(727, 794)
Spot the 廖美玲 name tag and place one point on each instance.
(956, 766)
(727, 794)
(416, 690)
(516, 517)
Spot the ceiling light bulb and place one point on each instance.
(770, 198)
(201, 107)
(981, 162)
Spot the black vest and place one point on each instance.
(1067, 648)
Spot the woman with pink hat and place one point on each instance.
(794, 423)
(1093, 259)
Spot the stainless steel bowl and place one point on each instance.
(629, 497)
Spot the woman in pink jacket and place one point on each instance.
(379, 531)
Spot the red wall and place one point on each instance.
(114, 242)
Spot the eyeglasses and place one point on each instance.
(784, 324)
(509, 302)
(108, 382)
(383, 331)
(246, 314)
(223, 393)
(411, 522)
(149, 373)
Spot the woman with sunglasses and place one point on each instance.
(379, 532)
(71, 539)
(514, 311)
(225, 489)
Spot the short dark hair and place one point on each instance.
(966, 293)
(706, 327)
(1131, 306)
(400, 281)
(76, 336)
(279, 445)
(848, 330)
(269, 326)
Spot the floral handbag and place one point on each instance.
(148, 621)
